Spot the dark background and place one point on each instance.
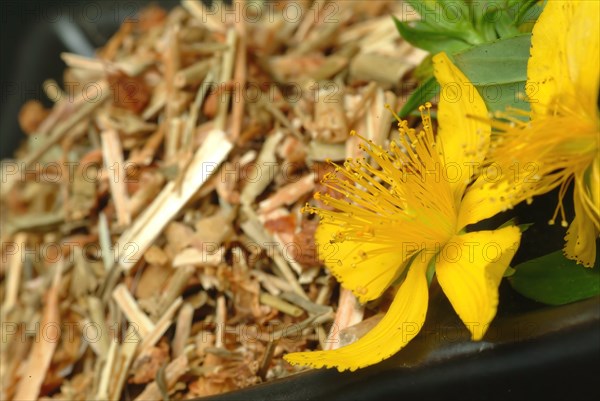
(560, 365)
(33, 33)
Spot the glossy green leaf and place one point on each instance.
(455, 15)
(498, 97)
(503, 17)
(429, 38)
(528, 11)
(556, 280)
(488, 31)
(502, 61)
(498, 70)
(430, 271)
(504, 25)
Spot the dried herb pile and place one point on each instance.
(153, 241)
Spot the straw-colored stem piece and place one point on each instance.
(121, 366)
(280, 304)
(161, 327)
(193, 74)
(132, 310)
(349, 312)
(112, 152)
(183, 328)
(42, 351)
(107, 372)
(14, 271)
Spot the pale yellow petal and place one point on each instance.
(398, 327)
(366, 268)
(469, 269)
(564, 63)
(485, 198)
(547, 69)
(583, 53)
(594, 184)
(583, 230)
(464, 137)
(586, 190)
(580, 243)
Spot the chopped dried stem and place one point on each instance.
(280, 305)
(132, 310)
(42, 351)
(15, 272)
(183, 328)
(112, 152)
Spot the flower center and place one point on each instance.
(392, 198)
(547, 152)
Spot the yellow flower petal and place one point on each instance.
(564, 61)
(486, 198)
(547, 69)
(400, 324)
(582, 233)
(594, 185)
(365, 268)
(583, 53)
(469, 270)
(581, 241)
(465, 141)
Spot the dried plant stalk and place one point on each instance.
(135, 315)
(14, 269)
(114, 163)
(43, 350)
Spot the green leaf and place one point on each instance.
(555, 280)
(424, 93)
(502, 61)
(427, 38)
(488, 30)
(502, 18)
(524, 227)
(448, 15)
(454, 15)
(498, 70)
(424, 71)
(509, 272)
(498, 97)
(528, 11)
(430, 271)
(511, 222)
(504, 25)
(477, 9)
(453, 25)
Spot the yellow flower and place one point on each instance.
(405, 213)
(560, 144)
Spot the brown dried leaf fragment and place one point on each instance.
(128, 92)
(31, 115)
(307, 253)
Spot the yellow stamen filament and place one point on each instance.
(546, 153)
(392, 198)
